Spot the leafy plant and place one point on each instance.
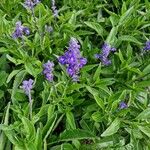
(96, 96)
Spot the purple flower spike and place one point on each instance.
(20, 30)
(97, 56)
(122, 105)
(113, 49)
(54, 9)
(71, 70)
(73, 59)
(147, 46)
(82, 62)
(30, 3)
(106, 49)
(26, 30)
(75, 78)
(74, 45)
(27, 86)
(62, 60)
(106, 61)
(48, 70)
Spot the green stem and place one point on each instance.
(58, 121)
(45, 145)
(55, 89)
(64, 93)
(30, 105)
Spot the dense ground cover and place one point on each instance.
(75, 74)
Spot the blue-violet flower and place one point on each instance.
(122, 105)
(72, 59)
(48, 70)
(106, 49)
(30, 3)
(54, 9)
(27, 86)
(147, 46)
(20, 30)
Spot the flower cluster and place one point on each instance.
(27, 86)
(54, 9)
(48, 70)
(20, 30)
(72, 59)
(30, 3)
(106, 49)
(147, 46)
(122, 105)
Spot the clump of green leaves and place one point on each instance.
(75, 115)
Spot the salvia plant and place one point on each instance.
(74, 75)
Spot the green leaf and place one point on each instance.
(2, 135)
(13, 60)
(146, 70)
(120, 55)
(126, 16)
(43, 111)
(75, 86)
(76, 134)
(145, 130)
(106, 81)
(51, 118)
(64, 146)
(72, 19)
(30, 146)
(70, 120)
(3, 77)
(97, 116)
(33, 67)
(97, 27)
(67, 146)
(50, 125)
(92, 90)
(129, 52)
(88, 67)
(106, 143)
(12, 74)
(29, 128)
(3, 50)
(129, 38)
(18, 79)
(99, 101)
(112, 35)
(124, 8)
(112, 129)
(1, 94)
(51, 121)
(144, 83)
(97, 73)
(144, 114)
(135, 70)
(38, 140)
(114, 20)
(11, 135)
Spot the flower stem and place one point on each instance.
(30, 104)
(55, 89)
